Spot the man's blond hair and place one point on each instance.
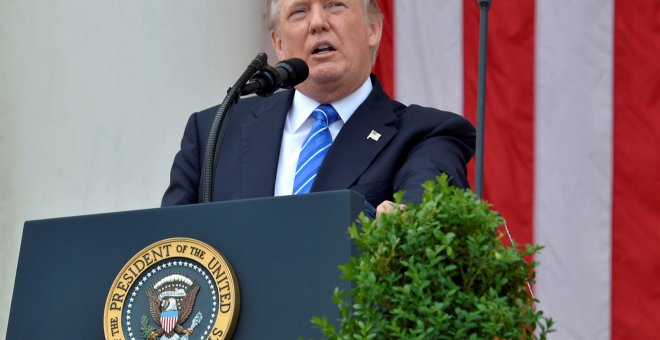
(273, 9)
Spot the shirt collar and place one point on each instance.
(303, 106)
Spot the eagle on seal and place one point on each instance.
(170, 313)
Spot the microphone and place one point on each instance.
(286, 74)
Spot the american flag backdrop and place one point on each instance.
(572, 139)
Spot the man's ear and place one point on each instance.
(277, 44)
(375, 32)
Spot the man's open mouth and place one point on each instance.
(324, 48)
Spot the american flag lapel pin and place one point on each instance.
(373, 135)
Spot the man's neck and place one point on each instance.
(303, 105)
(328, 92)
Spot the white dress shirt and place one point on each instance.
(298, 125)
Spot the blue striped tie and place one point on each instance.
(314, 148)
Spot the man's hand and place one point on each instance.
(388, 207)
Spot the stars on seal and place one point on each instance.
(162, 266)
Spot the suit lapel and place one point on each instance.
(352, 151)
(261, 139)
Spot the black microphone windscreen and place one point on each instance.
(297, 71)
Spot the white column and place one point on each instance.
(94, 96)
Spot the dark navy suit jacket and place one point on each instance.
(416, 144)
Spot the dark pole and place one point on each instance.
(484, 6)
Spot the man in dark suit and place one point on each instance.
(376, 146)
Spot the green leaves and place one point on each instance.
(437, 270)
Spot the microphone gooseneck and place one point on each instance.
(219, 126)
(259, 78)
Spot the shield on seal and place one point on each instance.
(168, 320)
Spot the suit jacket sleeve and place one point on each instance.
(185, 173)
(444, 146)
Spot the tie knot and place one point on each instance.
(326, 113)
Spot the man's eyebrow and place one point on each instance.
(295, 3)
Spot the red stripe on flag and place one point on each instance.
(636, 179)
(384, 67)
(509, 140)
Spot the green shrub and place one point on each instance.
(438, 270)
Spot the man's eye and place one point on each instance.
(337, 4)
(297, 12)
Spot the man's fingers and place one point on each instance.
(388, 207)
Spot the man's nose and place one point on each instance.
(318, 19)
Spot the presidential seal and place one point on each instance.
(174, 289)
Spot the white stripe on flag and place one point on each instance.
(573, 159)
(429, 53)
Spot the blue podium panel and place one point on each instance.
(284, 251)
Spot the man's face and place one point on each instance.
(334, 38)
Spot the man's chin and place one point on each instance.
(324, 76)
